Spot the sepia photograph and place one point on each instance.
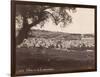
(49, 38)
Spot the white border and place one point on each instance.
(5, 38)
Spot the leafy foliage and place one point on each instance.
(40, 13)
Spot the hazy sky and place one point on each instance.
(83, 22)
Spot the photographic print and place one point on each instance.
(52, 38)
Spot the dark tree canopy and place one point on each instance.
(38, 14)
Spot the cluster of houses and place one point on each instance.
(57, 43)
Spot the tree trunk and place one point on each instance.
(23, 33)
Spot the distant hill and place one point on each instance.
(57, 35)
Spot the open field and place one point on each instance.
(36, 60)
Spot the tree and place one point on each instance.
(38, 14)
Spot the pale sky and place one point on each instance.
(83, 22)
